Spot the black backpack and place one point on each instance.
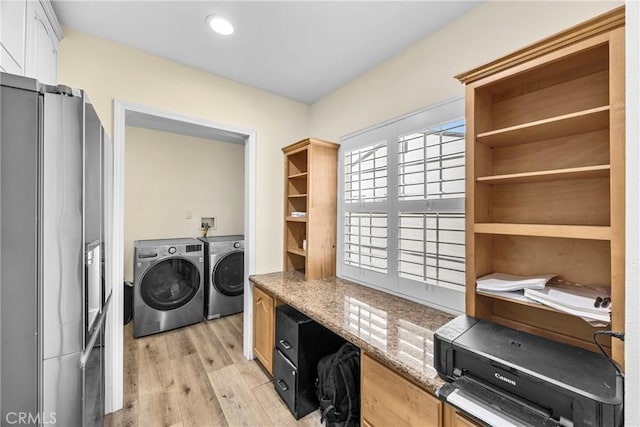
(338, 387)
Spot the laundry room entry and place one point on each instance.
(173, 180)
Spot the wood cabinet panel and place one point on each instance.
(460, 421)
(586, 149)
(563, 202)
(453, 418)
(388, 399)
(263, 327)
(583, 93)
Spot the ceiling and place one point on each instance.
(301, 50)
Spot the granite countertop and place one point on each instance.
(396, 331)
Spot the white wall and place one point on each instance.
(632, 294)
(169, 175)
(423, 74)
(109, 71)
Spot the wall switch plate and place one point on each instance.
(210, 221)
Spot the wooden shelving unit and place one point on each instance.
(545, 174)
(310, 186)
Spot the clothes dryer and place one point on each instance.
(224, 293)
(168, 284)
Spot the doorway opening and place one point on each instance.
(130, 114)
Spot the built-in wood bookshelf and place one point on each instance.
(310, 186)
(545, 175)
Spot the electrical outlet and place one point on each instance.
(208, 221)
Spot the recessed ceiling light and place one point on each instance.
(220, 24)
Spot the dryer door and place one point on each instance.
(170, 284)
(228, 274)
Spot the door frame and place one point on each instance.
(114, 368)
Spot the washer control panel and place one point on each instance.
(151, 253)
(222, 247)
(188, 250)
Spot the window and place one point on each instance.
(365, 176)
(431, 248)
(401, 207)
(365, 240)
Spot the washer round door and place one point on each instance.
(170, 284)
(228, 274)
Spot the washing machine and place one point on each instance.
(168, 284)
(224, 286)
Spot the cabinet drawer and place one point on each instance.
(453, 418)
(285, 380)
(460, 421)
(389, 399)
(289, 323)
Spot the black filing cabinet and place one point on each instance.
(300, 344)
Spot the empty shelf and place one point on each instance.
(599, 171)
(554, 127)
(589, 232)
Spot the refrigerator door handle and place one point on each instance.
(94, 336)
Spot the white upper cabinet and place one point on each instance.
(13, 18)
(43, 38)
(30, 36)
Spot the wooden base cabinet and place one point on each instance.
(263, 327)
(388, 399)
(453, 418)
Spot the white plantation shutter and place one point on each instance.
(401, 207)
(431, 163)
(431, 248)
(365, 240)
(365, 174)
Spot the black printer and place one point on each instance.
(502, 377)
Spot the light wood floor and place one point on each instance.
(197, 376)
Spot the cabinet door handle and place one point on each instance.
(283, 386)
(285, 344)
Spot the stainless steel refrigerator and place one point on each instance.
(52, 289)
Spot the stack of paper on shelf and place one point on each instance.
(296, 214)
(501, 282)
(576, 300)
